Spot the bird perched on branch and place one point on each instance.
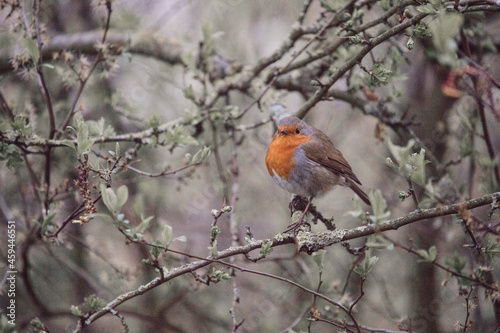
(304, 161)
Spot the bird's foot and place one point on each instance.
(294, 227)
(297, 203)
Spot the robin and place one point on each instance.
(303, 160)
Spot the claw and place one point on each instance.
(294, 226)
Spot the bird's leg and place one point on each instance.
(296, 225)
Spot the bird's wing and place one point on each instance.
(333, 160)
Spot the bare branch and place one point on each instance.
(372, 43)
(310, 242)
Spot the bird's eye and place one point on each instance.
(297, 131)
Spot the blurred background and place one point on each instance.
(138, 86)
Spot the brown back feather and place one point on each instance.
(334, 161)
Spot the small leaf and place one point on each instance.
(400, 153)
(379, 242)
(418, 162)
(432, 253)
(466, 146)
(121, 197)
(82, 135)
(427, 9)
(93, 303)
(143, 226)
(366, 266)
(189, 60)
(166, 235)
(138, 205)
(487, 45)
(410, 44)
(189, 93)
(180, 239)
(379, 206)
(200, 155)
(357, 211)
(421, 30)
(32, 48)
(154, 122)
(427, 255)
(75, 310)
(491, 250)
(214, 231)
(379, 75)
(355, 39)
(213, 249)
(457, 262)
(219, 275)
(180, 135)
(444, 29)
(109, 198)
(105, 217)
(69, 143)
(318, 258)
(8, 327)
(359, 270)
(155, 250)
(266, 248)
(84, 146)
(48, 219)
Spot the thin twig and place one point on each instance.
(412, 193)
(76, 212)
(337, 74)
(359, 297)
(310, 242)
(482, 115)
(486, 134)
(83, 81)
(281, 240)
(277, 73)
(467, 304)
(446, 269)
(163, 173)
(233, 224)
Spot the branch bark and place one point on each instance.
(310, 242)
(306, 241)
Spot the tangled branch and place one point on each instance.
(306, 241)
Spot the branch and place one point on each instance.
(83, 80)
(320, 93)
(137, 137)
(452, 272)
(310, 242)
(175, 272)
(295, 33)
(486, 134)
(326, 51)
(306, 241)
(163, 173)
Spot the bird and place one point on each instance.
(304, 161)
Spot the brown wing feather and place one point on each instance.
(360, 193)
(333, 160)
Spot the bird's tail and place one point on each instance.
(360, 193)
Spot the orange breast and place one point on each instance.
(280, 158)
